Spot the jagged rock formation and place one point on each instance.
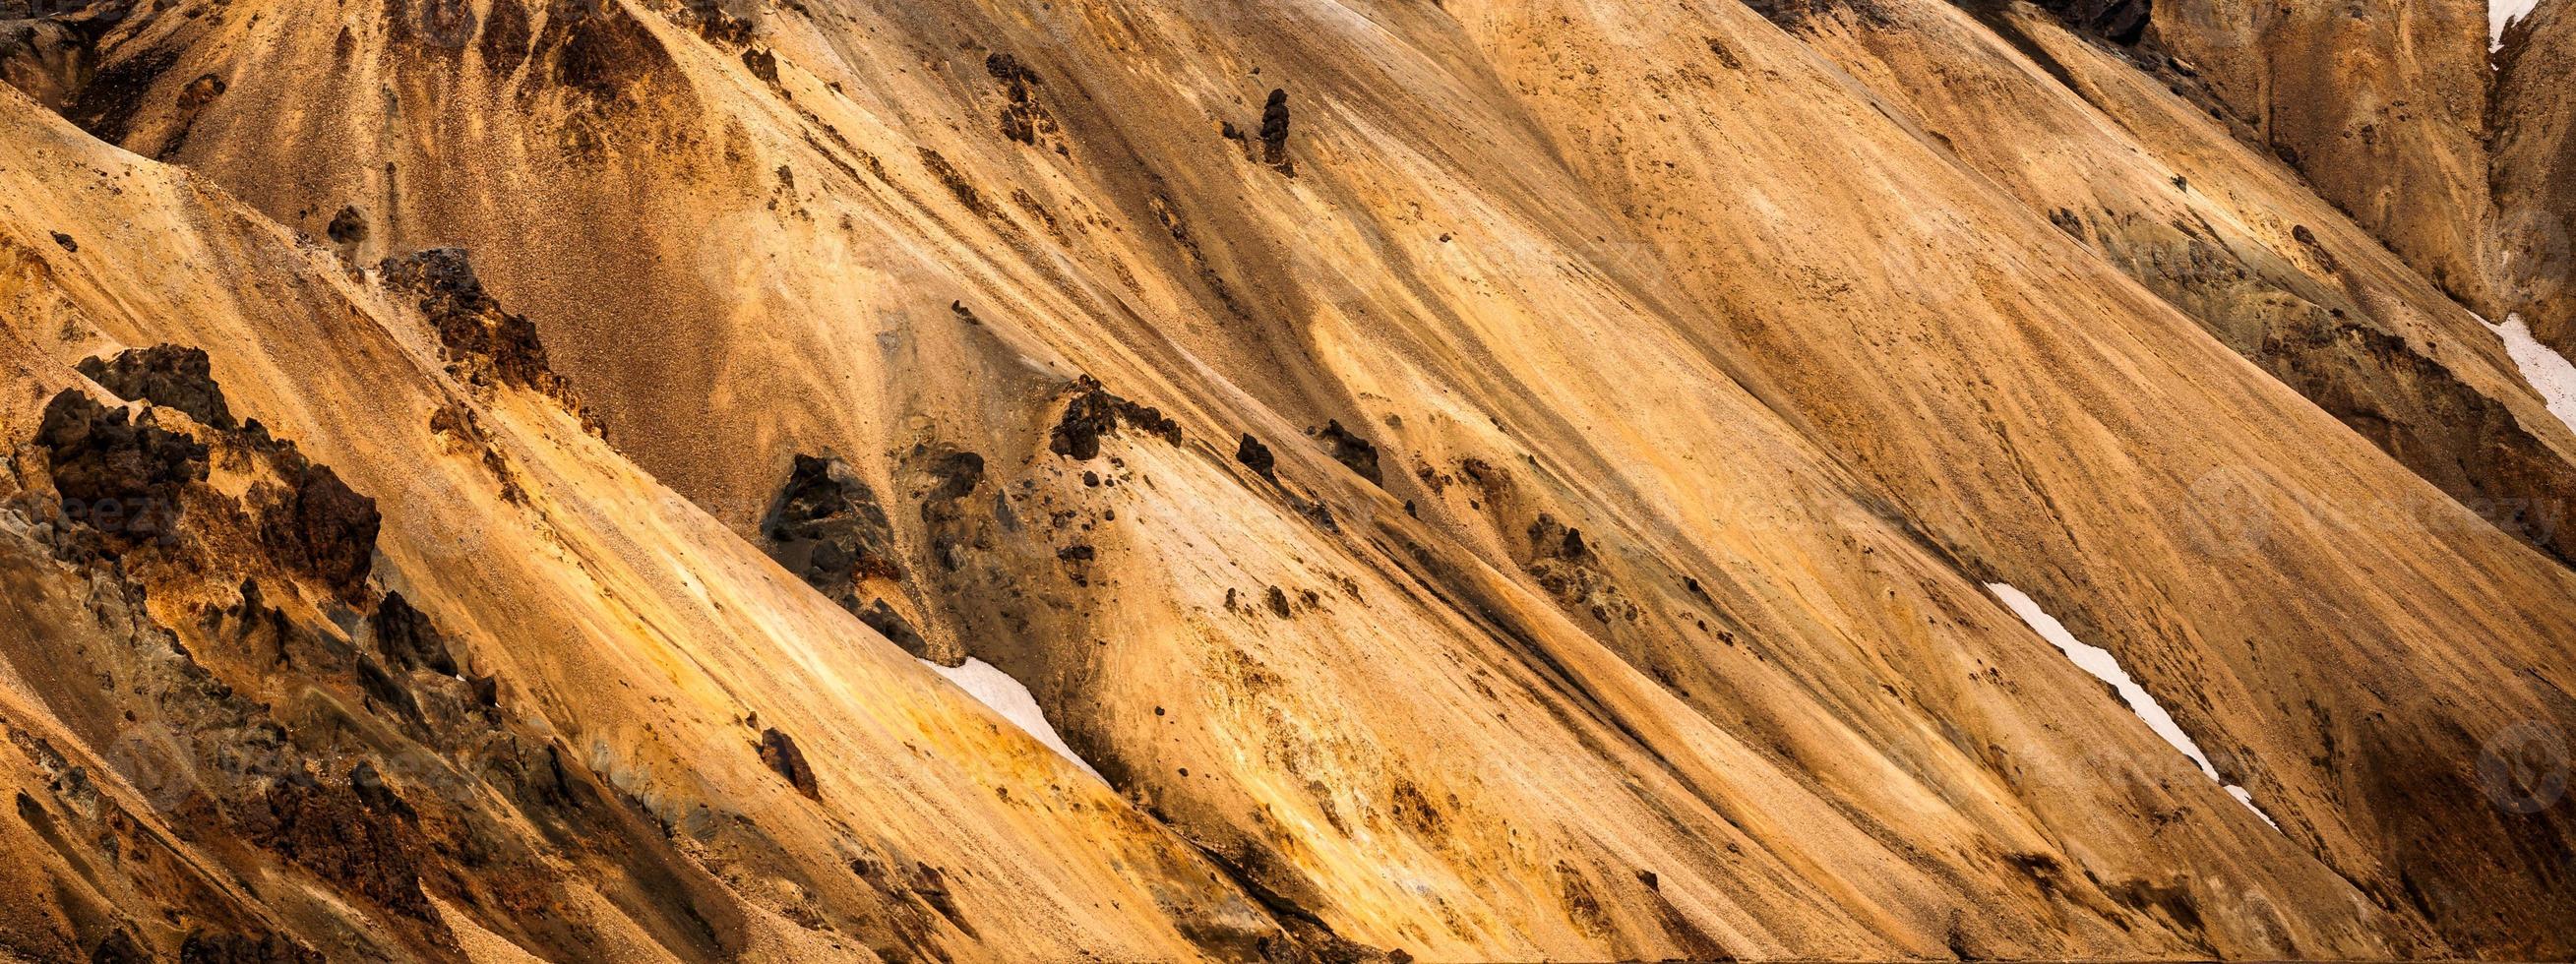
(476, 332)
(120, 480)
(1274, 132)
(2534, 144)
(1683, 383)
(1355, 453)
(172, 376)
(828, 528)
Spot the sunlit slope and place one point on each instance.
(617, 617)
(1796, 877)
(1713, 393)
(1241, 293)
(2228, 236)
(2058, 426)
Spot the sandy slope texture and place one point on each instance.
(2058, 426)
(1569, 891)
(639, 634)
(2225, 234)
(1700, 395)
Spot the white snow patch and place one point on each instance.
(2549, 372)
(2502, 12)
(2105, 667)
(996, 689)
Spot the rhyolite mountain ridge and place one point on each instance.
(1473, 480)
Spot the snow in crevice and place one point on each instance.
(2503, 12)
(2549, 372)
(2105, 667)
(996, 689)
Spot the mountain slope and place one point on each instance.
(2227, 236)
(2381, 104)
(2068, 433)
(1525, 493)
(1806, 923)
(634, 643)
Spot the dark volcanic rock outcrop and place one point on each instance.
(1023, 119)
(778, 751)
(2121, 21)
(828, 528)
(1095, 412)
(407, 638)
(1257, 457)
(280, 744)
(349, 226)
(125, 479)
(176, 376)
(353, 834)
(210, 948)
(896, 629)
(120, 478)
(476, 331)
(317, 526)
(946, 515)
(1357, 453)
(1274, 133)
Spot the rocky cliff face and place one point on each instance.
(2381, 105)
(1462, 481)
(2535, 149)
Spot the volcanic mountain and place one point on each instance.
(1345, 480)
